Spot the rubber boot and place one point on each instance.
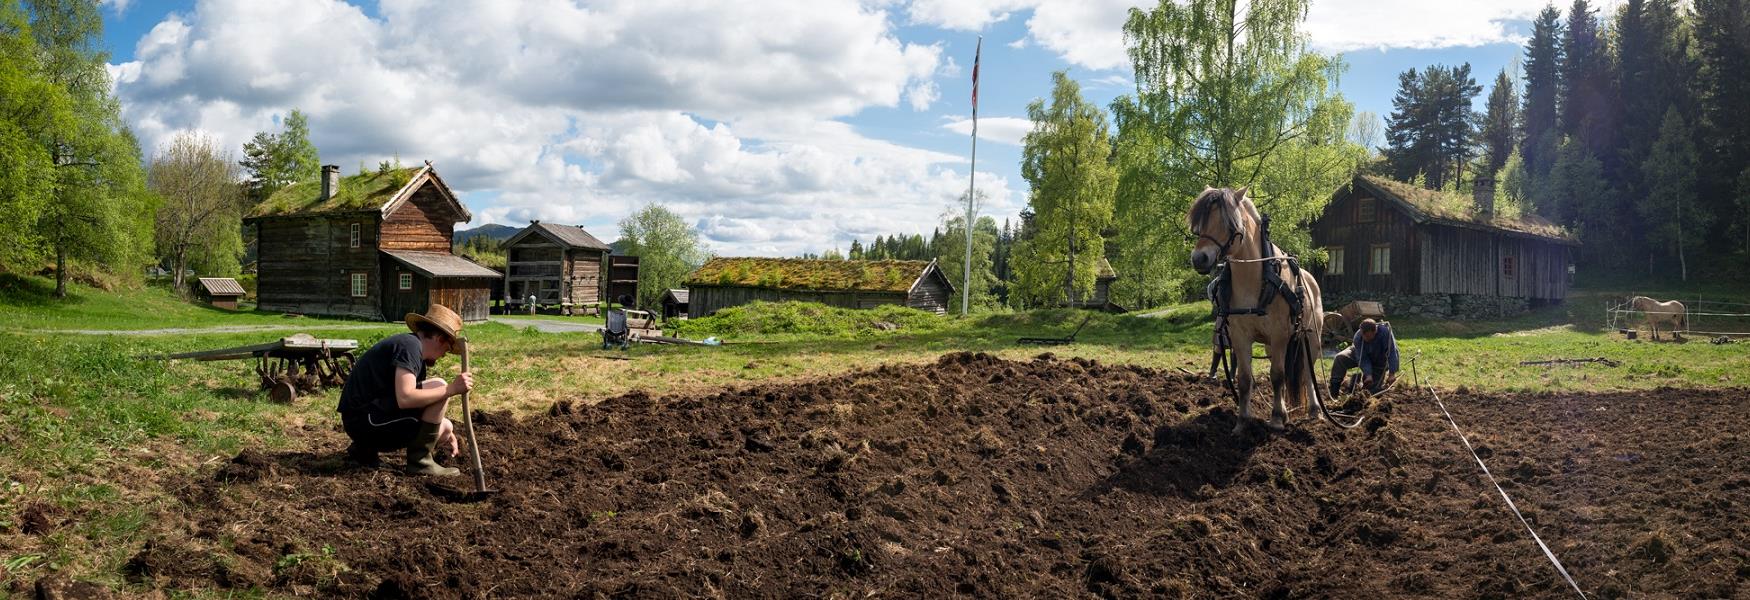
(363, 456)
(419, 455)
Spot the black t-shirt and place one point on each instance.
(372, 383)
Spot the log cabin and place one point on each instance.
(557, 264)
(375, 245)
(1388, 237)
(725, 282)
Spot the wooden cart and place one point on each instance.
(1340, 326)
(300, 362)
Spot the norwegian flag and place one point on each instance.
(976, 55)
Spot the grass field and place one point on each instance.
(93, 426)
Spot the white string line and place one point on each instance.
(1510, 505)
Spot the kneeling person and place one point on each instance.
(389, 404)
(1375, 351)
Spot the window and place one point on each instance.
(1507, 267)
(1364, 211)
(1336, 265)
(1380, 263)
(406, 281)
(358, 285)
(355, 235)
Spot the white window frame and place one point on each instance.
(360, 285)
(1337, 259)
(1379, 259)
(355, 234)
(405, 281)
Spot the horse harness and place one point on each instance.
(1220, 292)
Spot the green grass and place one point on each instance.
(28, 303)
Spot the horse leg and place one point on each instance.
(1242, 357)
(1279, 387)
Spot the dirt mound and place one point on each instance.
(992, 478)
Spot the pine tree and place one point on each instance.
(1722, 36)
(1543, 68)
(1500, 124)
(1431, 125)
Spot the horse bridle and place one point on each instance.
(1236, 234)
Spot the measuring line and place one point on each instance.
(1515, 508)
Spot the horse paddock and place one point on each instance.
(983, 477)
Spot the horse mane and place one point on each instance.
(1207, 202)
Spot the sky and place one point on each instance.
(776, 127)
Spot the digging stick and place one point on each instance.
(468, 422)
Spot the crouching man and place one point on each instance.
(389, 404)
(1375, 351)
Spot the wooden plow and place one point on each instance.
(299, 363)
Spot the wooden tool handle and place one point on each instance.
(468, 422)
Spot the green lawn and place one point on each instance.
(28, 303)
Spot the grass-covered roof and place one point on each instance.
(1461, 210)
(364, 191)
(811, 274)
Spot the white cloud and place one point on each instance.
(1089, 33)
(966, 15)
(1003, 130)
(119, 6)
(728, 112)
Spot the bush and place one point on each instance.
(809, 318)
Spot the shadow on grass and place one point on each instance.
(34, 292)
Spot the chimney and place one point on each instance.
(1483, 193)
(330, 181)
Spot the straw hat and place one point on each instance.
(438, 316)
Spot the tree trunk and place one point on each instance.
(178, 264)
(60, 271)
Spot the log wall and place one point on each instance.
(305, 264)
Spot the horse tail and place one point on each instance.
(1296, 375)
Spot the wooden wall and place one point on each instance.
(583, 275)
(706, 300)
(469, 297)
(931, 293)
(1468, 261)
(1340, 227)
(535, 265)
(305, 265)
(424, 223)
(396, 302)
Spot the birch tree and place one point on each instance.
(1066, 160)
(199, 222)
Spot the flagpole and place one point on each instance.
(971, 186)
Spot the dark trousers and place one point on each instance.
(1340, 365)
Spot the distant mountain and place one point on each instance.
(492, 231)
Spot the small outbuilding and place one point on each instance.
(1102, 296)
(674, 304)
(556, 264)
(221, 292)
(725, 282)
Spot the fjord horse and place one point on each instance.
(1671, 313)
(1228, 227)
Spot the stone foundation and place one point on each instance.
(1435, 306)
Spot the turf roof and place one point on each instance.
(811, 274)
(1460, 209)
(363, 191)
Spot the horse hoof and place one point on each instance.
(1276, 427)
(1239, 427)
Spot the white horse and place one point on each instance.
(1228, 228)
(1671, 314)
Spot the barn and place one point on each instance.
(375, 245)
(557, 264)
(1438, 253)
(725, 282)
(674, 304)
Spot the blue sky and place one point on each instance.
(776, 127)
